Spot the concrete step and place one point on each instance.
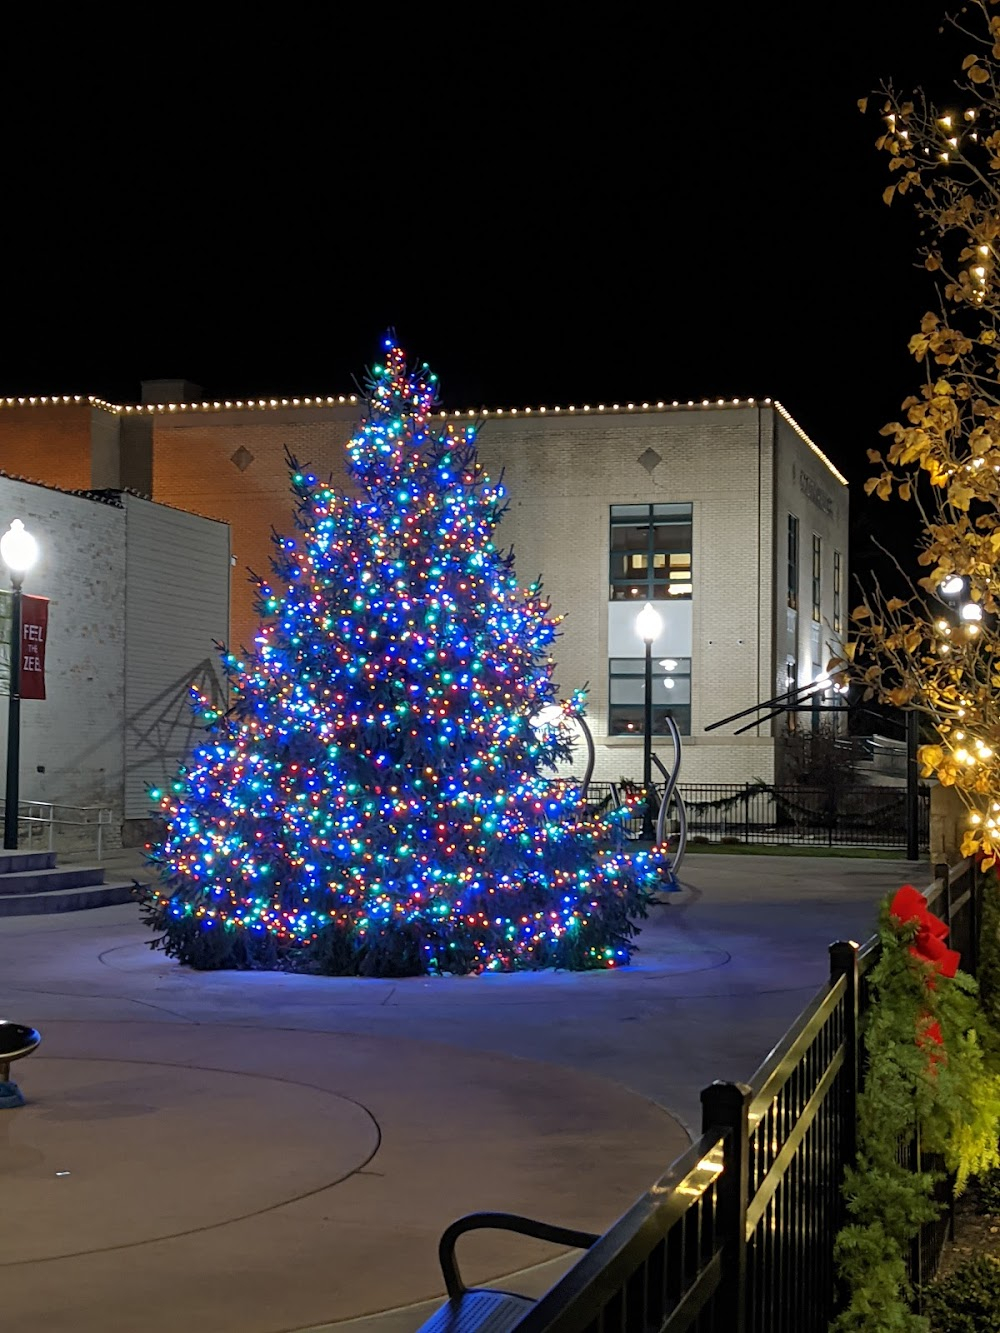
(48, 881)
(14, 861)
(77, 899)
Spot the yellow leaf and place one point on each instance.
(870, 485)
(860, 613)
(862, 104)
(969, 60)
(978, 75)
(887, 194)
(932, 262)
(969, 843)
(904, 490)
(894, 603)
(849, 650)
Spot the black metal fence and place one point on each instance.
(738, 1235)
(843, 816)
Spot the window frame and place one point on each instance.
(838, 605)
(646, 581)
(793, 562)
(817, 578)
(680, 712)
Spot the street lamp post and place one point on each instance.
(648, 624)
(19, 551)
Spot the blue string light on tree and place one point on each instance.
(374, 801)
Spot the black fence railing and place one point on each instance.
(841, 816)
(738, 1235)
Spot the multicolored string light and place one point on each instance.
(376, 798)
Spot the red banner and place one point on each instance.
(34, 629)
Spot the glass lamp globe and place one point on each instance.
(549, 715)
(648, 623)
(18, 548)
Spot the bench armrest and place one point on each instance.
(523, 1226)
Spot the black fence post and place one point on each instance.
(726, 1106)
(912, 786)
(940, 871)
(917, 1244)
(844, 963)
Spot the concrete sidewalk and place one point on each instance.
(266, 1153)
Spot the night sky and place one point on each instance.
(622, 207)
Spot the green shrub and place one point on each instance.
(968, 1301)
(988, 1192)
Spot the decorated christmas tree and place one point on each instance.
(378, 798)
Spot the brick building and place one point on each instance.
(724, 514)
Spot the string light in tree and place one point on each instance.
(377, 800)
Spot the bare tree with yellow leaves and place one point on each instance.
(938, 650)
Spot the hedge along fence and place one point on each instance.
(928, 1113)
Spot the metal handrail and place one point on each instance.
(35, 817)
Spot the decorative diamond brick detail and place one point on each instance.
(649, 459)
(243, 458)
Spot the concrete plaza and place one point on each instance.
(260, 1153)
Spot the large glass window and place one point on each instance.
(838, 610)
(817, 577)
(627, 694)
(793, 562)
(650, 552)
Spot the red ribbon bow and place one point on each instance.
(928, 945)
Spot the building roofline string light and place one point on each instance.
(351, 400)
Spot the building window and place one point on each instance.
(671, 695)
(651, 552)
(838, 614)
(791, 685)
(817, 579)
(793, 562)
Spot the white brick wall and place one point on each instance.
(71, 742)
(77, 742)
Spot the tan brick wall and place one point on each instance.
(562, 472)
(193, 470)
(48, 443)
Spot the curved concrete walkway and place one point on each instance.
(264, 1153)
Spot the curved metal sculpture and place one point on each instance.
(560, 717)
(670, 792)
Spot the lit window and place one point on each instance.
(817, 577)
(838, 613)
(651, 552)
(627, 695)
(793, 562)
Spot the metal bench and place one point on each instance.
(485, 1309)
(16, 1041)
